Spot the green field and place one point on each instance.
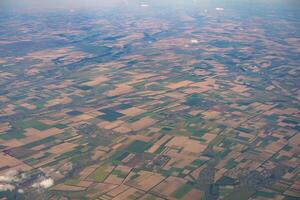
(182, 191)
(100, 174)
(138, 146)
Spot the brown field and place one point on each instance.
(69, 53)
(83, 117)
(98, 153)
(87, 171)
(28, 106)
(110, 125)
(60, 100)
(97, 81)
(239, 88)
(38, 135)
(180, 84)
(131, 112)
(157, 144)
(8, 110)
(11, 143)
(84, 184)
(176, 95)
(188, 145)
(209, 137)
(128, 194)
(197, 171)
(178, 160)
(209, 82)
(61, 148)
(31, 131)
(295, 140)
(146, 180)
(124, 128)
(195, 90)
(195, 112)
(149, 196)
(142, 123)
(4, 127)
(211, 114)
(99, 189)
(62, 85)
(219, 174)
(45, 162)
(119, 90)
(69, 188)
(140, 137)
(10, 163)
(143, 76)
(193, 194)
(118, 190)
(168, 186)
(113, 179)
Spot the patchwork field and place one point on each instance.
(151, 100)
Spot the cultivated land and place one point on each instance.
(201, 106)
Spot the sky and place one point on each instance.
(287, 6)
(58, 4)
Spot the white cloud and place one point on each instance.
(144, 5)
(6, 187)
(9, 177)
(47, 183)
(219, 9)
(194, 41)
(44, 183)
(21, 191)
